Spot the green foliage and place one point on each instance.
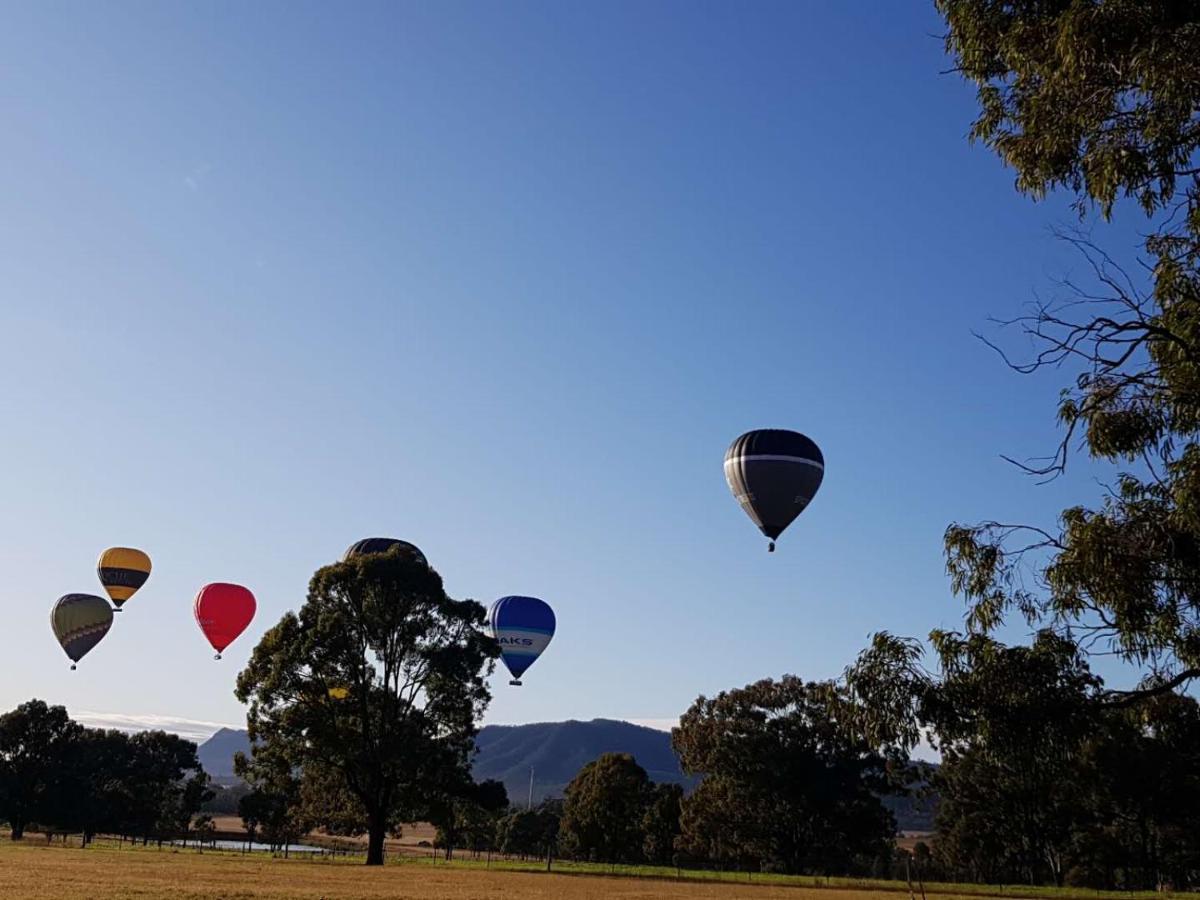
(530, 833)
(660, 823)
(467, 818)
(59, 775)
(1042, 778)
(1011, 722)
(789, 783)
(1048, 775)
(204, 830)
(1098, 98)
(225, 799)
(34, 741)
(603, 810)
(407, 667)
(1103, 100)
(274, 810)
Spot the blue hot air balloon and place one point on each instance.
(523, 626)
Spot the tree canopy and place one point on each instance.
(56, 774)
(1102, 100)
(377, 682)
(603, 810)
(788, 783)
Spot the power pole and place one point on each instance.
(531, 787)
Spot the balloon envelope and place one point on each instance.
(774, 475)
(223, 611)
(80, 622)
(122, 571)
(383, 545)
(523, 626)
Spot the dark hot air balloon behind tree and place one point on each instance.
(223, 611)
(122, 571)
(80, 622)
(523, 626)
(383, 545)
(774, 475)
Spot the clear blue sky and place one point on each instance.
(503, 280)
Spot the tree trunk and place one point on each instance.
(18, 830)
(376, 831)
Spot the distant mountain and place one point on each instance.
(556, 751)
(216, 754)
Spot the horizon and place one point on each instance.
(200, 731)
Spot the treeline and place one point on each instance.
(1048, 778)
(786, 787)
(1044, 780)
(56, 776)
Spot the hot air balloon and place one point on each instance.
(774, 475)
(223, 611)
(523, 626)
(339, 692)
(383, 545)
(122, 571)
(80, 621)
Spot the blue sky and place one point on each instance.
(503, 280)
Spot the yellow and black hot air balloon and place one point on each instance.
(122, 571)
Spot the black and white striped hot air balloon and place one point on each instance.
(383, 545)
(773, 474)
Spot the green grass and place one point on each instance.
(467, 863)
(568, 867)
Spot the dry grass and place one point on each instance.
(41, 872)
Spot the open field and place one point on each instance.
(43, 872)
(408, 844)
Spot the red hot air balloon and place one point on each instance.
(223, 611)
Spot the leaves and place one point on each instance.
(374, 686)
(790, 783)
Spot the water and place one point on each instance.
(241, 845)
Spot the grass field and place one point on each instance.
(43, 872)
(39, 871)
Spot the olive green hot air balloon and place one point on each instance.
(80, 621)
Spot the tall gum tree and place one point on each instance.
(378, 680)
(1101, 100)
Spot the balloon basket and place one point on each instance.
(771, 547)
(218, 656)
(116, 609)
(516, 682)
(72, 667)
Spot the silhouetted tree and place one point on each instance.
(526, 832)
(787, 784)
(274, 808)
(406, 667)
(603, 810)
(1103, 100)
(660, 823)
(466, 815)
(166, 785)
(35, 745)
